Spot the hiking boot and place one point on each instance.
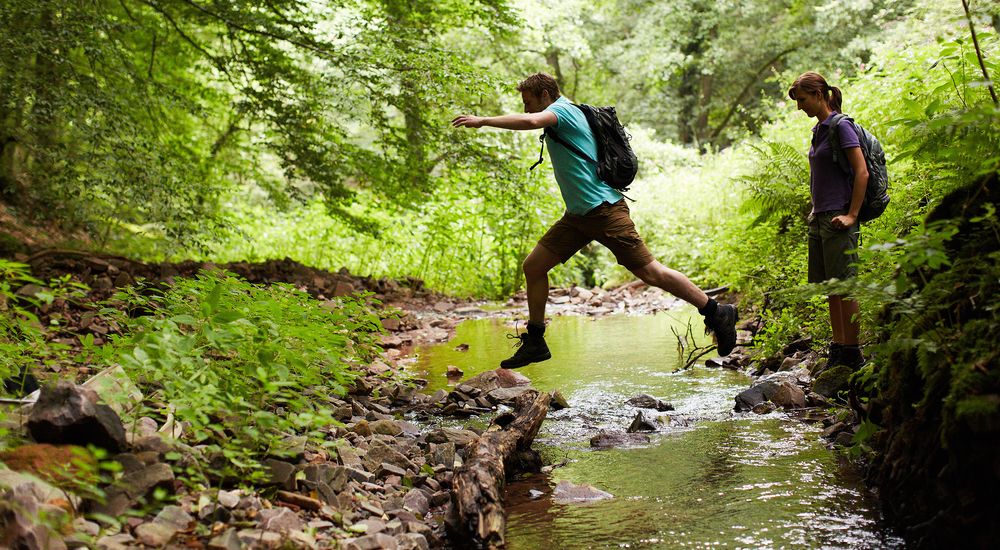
(833, 356)
(723, 325)
(851, 356)
(530, 349)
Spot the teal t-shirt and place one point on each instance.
(581, 189)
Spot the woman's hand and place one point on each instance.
(843, 221)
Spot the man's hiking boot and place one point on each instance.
(723, 325)
(530, 349)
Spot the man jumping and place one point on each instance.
(594, 211)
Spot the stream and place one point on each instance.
(710, 478)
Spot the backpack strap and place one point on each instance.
(541, 138)
(573, 148)
(838, 155)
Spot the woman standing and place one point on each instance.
(836, 200)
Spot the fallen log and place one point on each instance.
(476, 516)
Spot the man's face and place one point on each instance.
(534, 103)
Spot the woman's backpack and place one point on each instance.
(616, 162)
(877, 194)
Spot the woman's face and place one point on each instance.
(809, 103)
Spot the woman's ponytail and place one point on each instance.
(835, 99)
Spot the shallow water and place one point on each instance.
(711, 478)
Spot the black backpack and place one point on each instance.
(616, 162)
(877, 193)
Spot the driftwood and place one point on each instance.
(477, 516)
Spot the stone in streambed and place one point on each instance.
(607, 440)
(644, 401)
(566, 492)
(644, 421)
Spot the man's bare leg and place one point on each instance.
(536, 276)
(532, 347)
(656, 274)
(719, 318)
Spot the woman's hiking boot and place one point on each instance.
(833, 356)
(722, 323)
(531, 348)
(851, 356)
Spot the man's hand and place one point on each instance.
(467, 121)
(844, 221)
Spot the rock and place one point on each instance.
(362, 428)
(535, 494)
(566, 492)
(386, 427)
(229, 499)
(133, 486)
(44, 492)
(121, 541)
(66, 413)
(255, 538)
(765, 407)
(802, 344)
(644, 401)
(558, 402)
(280, 519)
(292, 447)
(228, 540)
(380, 452)
(788, 363)
(789, 396)
(834, 429)
(444, 454)
(19, 528)
(498, 378)
(749, 398)
(844, 439)
(385, 470)
(507, 395)
(454, 372)
(457, 436)
(343, 288)
(644, 422)
(155, 534)
(607, 440)
(832, 381)
(378, 541)
(413, 541)
(174, 516)
(584, 294)
(416, 501)
(280, 473)
(390, 324)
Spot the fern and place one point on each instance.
(778, 187)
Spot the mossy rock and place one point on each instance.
(832, 380)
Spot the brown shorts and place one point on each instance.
(608, 224)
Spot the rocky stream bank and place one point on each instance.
(388, 482)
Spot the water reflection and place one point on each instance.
(710, 479)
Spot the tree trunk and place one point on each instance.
(476, 515)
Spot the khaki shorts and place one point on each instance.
(832, 252)
(608, 224)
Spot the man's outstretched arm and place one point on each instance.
(525, 121)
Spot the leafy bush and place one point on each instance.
(242, 365)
